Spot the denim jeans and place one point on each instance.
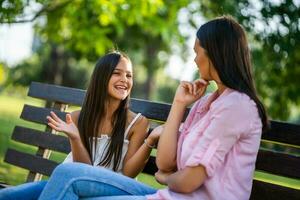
(26, 191)
(82, 181)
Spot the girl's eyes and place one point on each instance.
(119, 74)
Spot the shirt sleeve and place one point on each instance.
(227, 123)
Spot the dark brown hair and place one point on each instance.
(225, 43)
(94, 109)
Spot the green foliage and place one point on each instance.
(88, 29)
(10, 9)
(3, 74)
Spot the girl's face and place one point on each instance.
(120, 83)
(202, 61)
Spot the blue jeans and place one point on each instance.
(26, 191)
(77, 180)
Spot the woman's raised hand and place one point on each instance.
(68, 127)
(189, 92)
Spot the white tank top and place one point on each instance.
(102, 147)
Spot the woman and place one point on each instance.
(214, 155)
(104, 132)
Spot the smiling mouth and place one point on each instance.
(119, 87)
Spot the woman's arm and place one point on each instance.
(183, 181)
(186, 94)
(79, 152)
(167, 145)
(138, 152)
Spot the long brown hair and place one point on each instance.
(93, 110)
(226, 45)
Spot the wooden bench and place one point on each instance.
(277, 163)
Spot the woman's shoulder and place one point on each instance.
(237, 103)
(233, 98)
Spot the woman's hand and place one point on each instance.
(161, 176)
(189, 92)
(68, 127)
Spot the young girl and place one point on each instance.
(214, 155)
(104, 132)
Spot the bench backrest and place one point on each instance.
(277, 163)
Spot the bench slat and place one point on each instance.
(150, 167)
(152, 110)
(42, 139)
(56, 93)
(283, 132)
(278, 163)
(264, 190)
(31, 162)
(38, 114)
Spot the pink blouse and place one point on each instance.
(223, 135)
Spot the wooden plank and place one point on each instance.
(150, 167)
(263, 190)
(283, 132)
(4, 185)
(41, 139)
(42, 152)
(275, 163)
(278, 163)
(31, 162)
(56, 93)
(152, 110)
(38, 115)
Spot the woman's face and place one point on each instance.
(120, 83)
(202, 61)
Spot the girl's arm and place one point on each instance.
(79, 152)
(138, 152)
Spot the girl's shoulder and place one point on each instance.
(138, 122)
(137, 118)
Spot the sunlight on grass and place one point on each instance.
(279, 180)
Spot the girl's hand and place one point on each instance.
(68, 127)
(161, 176)
(189, 92)
(155, 134)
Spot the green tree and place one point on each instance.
(88, 29)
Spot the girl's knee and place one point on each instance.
(71, 169)
(65, 169)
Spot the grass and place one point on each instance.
(10, 109)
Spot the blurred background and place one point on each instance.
(59, 41)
